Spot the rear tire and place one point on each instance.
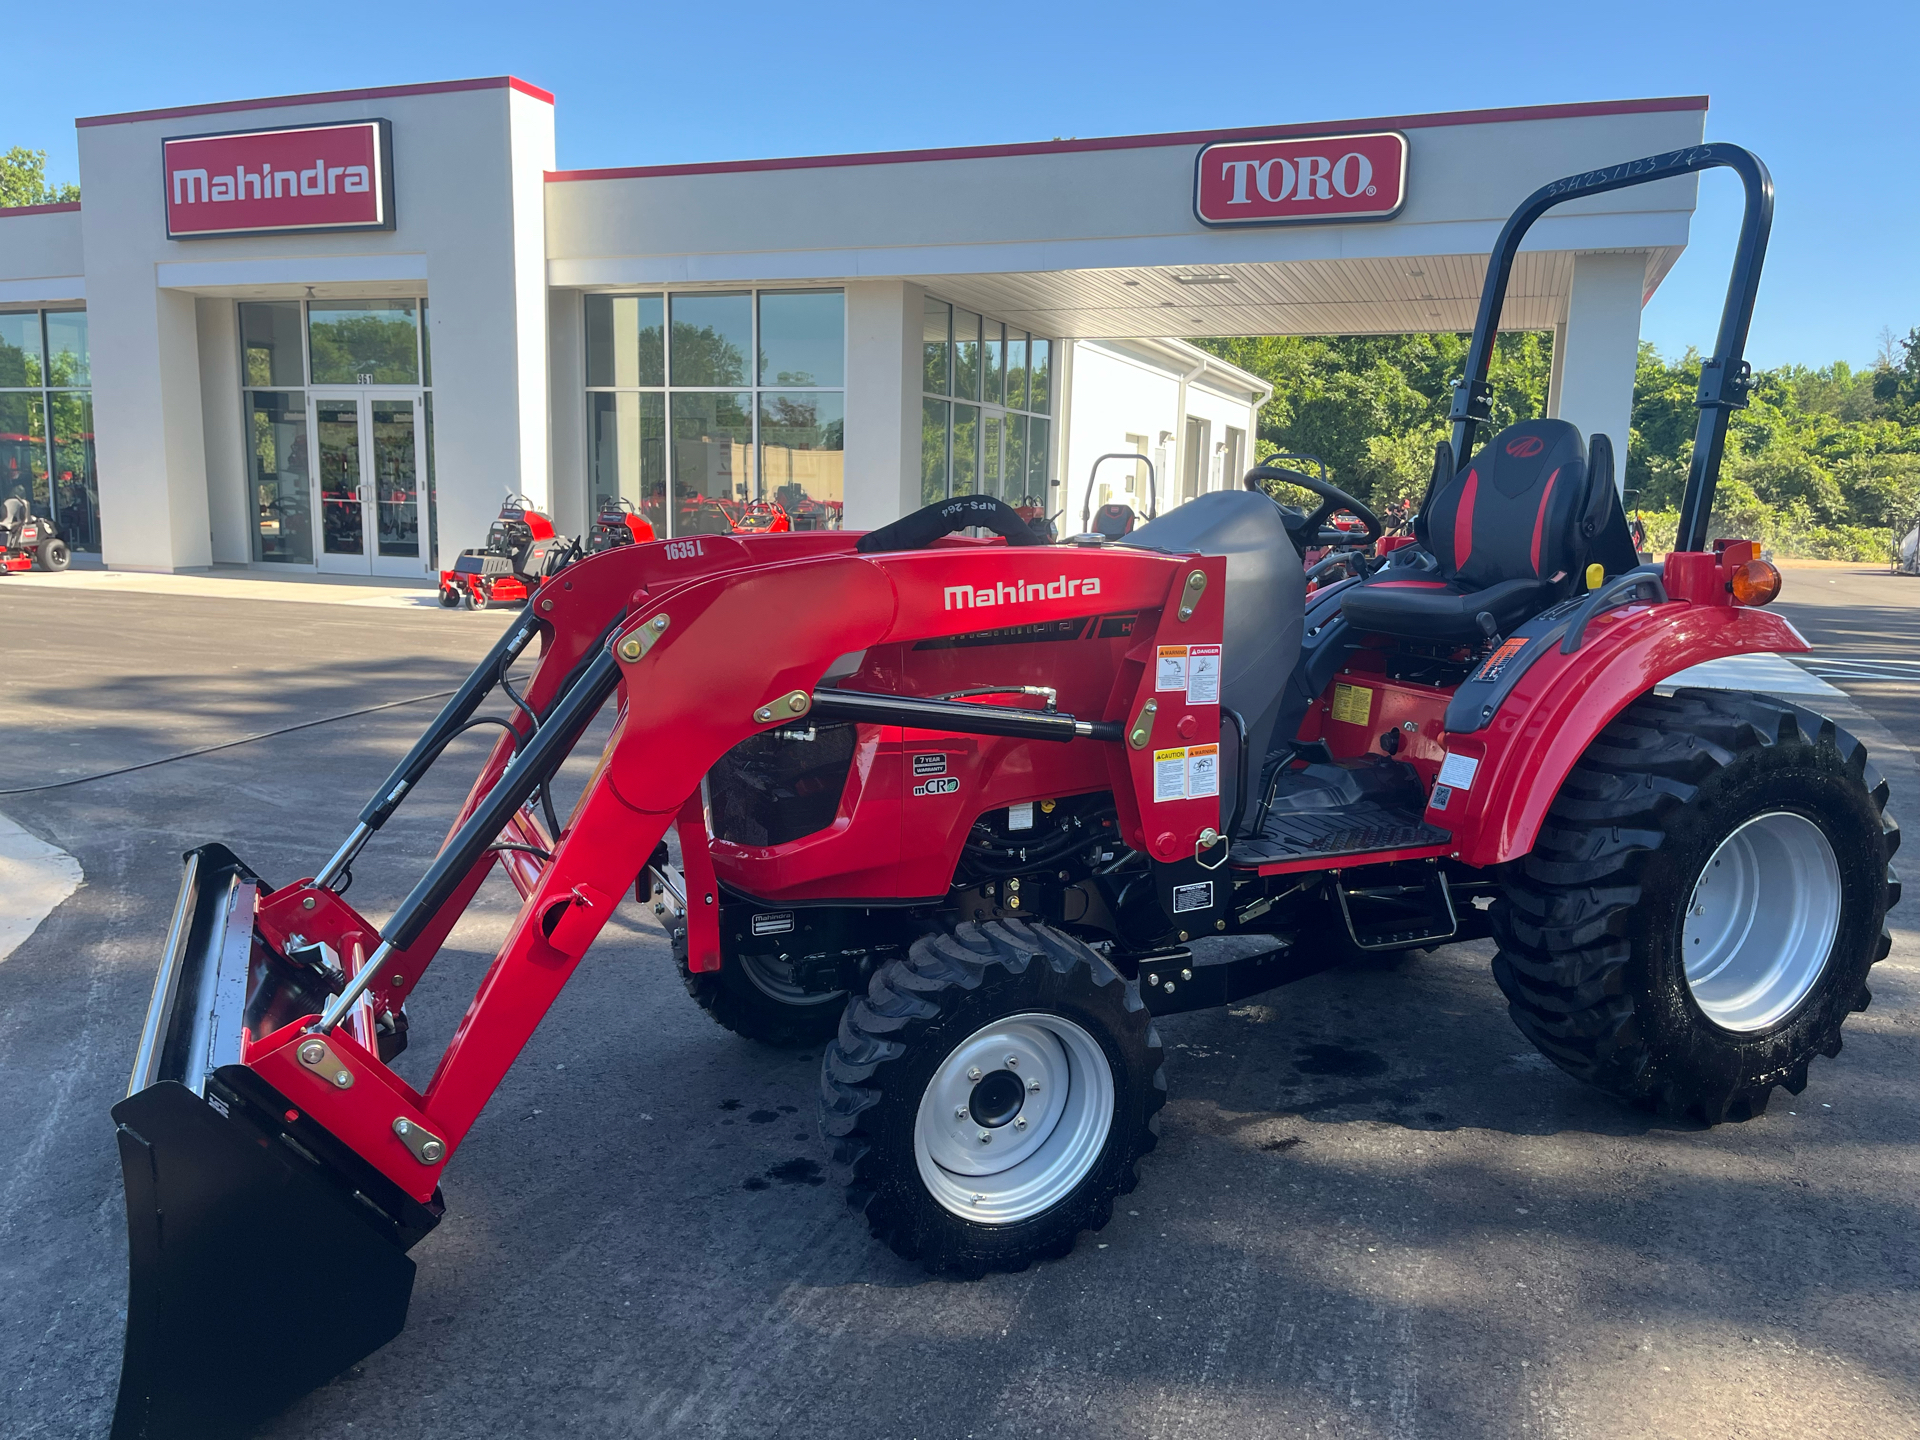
(449, 598)
(54, 554)
(754, 1002)
(1004, 1006)
(1623, 956)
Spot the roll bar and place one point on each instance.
(1725, 376)
(1153, 489)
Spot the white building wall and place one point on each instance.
(229, 511)
(883, 401)
(41, 257)
(470, 233)
(1117, 390)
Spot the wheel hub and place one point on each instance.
(1014, 1117)
(1761, 921)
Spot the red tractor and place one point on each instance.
(966, 810)
(521, 551)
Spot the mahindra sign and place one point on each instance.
(1272, 182)
(264, 182)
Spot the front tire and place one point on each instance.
(752, 997)
(54, 554)
(1009, 1031)
(1705, 900)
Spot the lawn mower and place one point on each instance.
(521, 551)
(966, 809)
(27, 540)
(617, 523)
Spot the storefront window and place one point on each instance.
(803, 338)
(802, 467)
(712, 338)
(308, 455)
(277, 466)
(1002, 446)
(712, 435)
(626, 340)
(46, 421)
(718, 412)
(270, 343)
(627, 453)
(364, 342)
(937, 347)
(933, 450)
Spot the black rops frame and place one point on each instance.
(1725, 377)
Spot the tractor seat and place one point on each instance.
(1506, 537)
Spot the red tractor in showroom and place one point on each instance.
(964, 810)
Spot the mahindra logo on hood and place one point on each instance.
(967, 597)
(262, 182)
(1273, 182)
(1525, 447)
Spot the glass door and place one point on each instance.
(367, 469)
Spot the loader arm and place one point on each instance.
(263, 1077)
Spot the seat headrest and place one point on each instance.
(1514, 461)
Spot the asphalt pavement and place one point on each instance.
(1374, 1212)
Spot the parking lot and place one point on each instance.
(1374, 1211)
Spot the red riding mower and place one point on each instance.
(520, 552)
(617, 523)
(27, 540)
(963, 809)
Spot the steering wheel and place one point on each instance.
(1310, 530)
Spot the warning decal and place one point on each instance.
(1203, 771)
(1203, 674)
(1170, 668)
(1497, 661)
(1170, 774)
(1458, 771)
(1352, 704)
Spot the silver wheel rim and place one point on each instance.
(1035, 1152)
(1761, 921)
(775, 980)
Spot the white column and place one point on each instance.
(1602, 348)
(1556, 371)
(567, 411)
(229, 516)
(147, 424)
(883, 402)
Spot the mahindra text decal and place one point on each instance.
(253, 182)
(965, 597)
(1270, 182)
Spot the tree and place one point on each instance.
(23, 180)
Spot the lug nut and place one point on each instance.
(974, 1073)
(1013, 1062)
(1019, 1122)
(959, 1112)
(312, 1053)
(986, 1137)
(1033, 1087)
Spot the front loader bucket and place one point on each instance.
(263, 1257)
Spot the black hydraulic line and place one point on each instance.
(1725, 376)
(1240, 770)
(861, 705)
(454, 714)
(531, 768)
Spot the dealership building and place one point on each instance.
(328, 333)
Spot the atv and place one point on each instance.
(28, 540)
(967, 810)
(521, 551)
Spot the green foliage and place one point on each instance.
(23, 180)
(1822, 462)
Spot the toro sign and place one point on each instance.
(263, 182)
(1273, 182)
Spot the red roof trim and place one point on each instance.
(7, 211)
(319, 97)
(1145, 142)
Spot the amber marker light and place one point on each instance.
(1755, 583)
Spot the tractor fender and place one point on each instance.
(1564, 701)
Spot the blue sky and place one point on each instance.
(1825, 96)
